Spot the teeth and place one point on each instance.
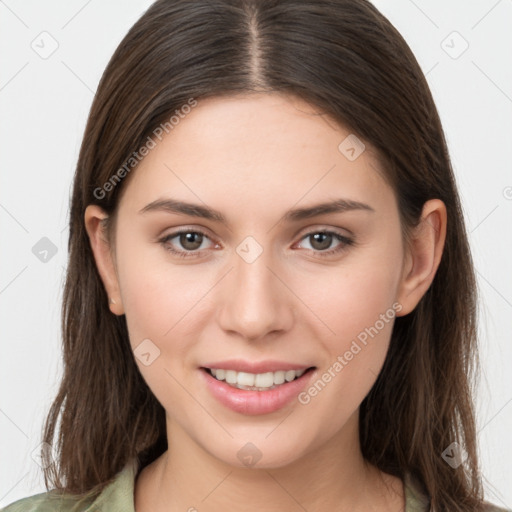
(259, 381)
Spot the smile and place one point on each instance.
(255, 381)
(252, 393)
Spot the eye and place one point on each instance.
(322, 240)
(190, 239)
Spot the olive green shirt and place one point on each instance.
(118, 496)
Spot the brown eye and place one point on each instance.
(321, 241)
(188, 242)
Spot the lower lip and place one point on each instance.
(256, 402)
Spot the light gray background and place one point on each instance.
(44, 103)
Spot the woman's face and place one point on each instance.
(264, 285)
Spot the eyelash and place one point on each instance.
(192, 254)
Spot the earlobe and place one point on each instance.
(423, 255)
(100, 246)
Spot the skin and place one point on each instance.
(253, 158)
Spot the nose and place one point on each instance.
(255, 300)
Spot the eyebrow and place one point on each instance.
(205, 212)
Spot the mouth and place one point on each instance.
(256, 388)
(256, 381)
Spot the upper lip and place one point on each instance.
(241, 365)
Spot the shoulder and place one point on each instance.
(50, 501)
(117, 495)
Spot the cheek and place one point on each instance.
(160, 304)
(350, 298)
(149, 299)
(162, 308)
(165, 303)
(357, 304)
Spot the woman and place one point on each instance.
(270, 300)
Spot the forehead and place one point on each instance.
(264, 150)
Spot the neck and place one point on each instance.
(333, 476)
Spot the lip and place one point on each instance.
(240, 365)
(256, 402)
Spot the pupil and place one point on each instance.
(188, 238)
(327, 238)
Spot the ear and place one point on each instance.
(423, 255)
(105, 262)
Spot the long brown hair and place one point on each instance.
(345, 58)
